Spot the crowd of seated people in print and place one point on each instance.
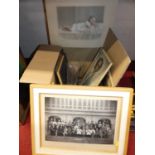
(79, 127)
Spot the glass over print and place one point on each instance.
(80, 120)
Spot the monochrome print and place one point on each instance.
(99, 67)
(80, 23)
(80, 120)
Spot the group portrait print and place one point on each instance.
(80, 120)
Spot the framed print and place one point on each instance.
(79, 120)
(98, 69)
(61, 70)
(82, 23)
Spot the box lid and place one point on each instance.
(41, 68)
(120, 60)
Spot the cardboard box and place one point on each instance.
(41, 68)
(119, 57)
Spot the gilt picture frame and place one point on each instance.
(79, 120)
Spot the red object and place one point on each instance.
(131, 143)
(25, 140)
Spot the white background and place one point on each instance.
(145, 77)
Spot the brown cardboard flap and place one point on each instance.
(45, 47)
(80, 54)
(120, 60)
(41, 68)
(110, 40)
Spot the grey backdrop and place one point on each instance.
(32, 30)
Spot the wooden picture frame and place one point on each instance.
(59, 113)
(61, 69)
(69, 25)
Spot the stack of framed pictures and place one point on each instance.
(82, 120)
(95, 72)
